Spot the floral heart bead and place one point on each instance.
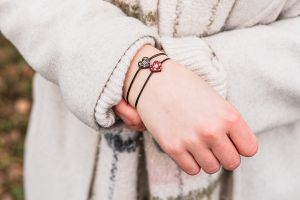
(144, 63)
(155, 66)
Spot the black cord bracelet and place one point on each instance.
(143, 64)
(156, 67)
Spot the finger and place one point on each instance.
(131, 126)
(205, 158)
(226, 152)
(243, 138)
(128, 113)
(122, 107)
(186, 162)
(124, 119)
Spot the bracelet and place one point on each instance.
(142, 64)
(155, 67)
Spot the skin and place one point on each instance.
(130, 116)
(196, 127)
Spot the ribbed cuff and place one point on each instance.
(195, 54)
(112, 93)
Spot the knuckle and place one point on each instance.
(210, 132)
(192, 140)
(173, 148)
(231, 115)
(209, 135)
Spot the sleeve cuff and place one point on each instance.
(112, 93)
(195, 54)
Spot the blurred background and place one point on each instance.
(15, 104)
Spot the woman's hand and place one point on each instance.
(195, 126)
(130, 116)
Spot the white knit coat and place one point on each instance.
(247, 50)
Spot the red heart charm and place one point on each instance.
(155, 66)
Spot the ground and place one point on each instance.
(15, 103)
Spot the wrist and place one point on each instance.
(145, 51)
(113, 90)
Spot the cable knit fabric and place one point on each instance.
(47, 33)
(196, 55)
(248, 51)
(112, 92)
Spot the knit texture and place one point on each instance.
(112, 92)
(80, 74)
(77, 47)
(196, 55)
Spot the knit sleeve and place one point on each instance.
(195, 54)
(257, 69)
(78, 45)
(112, 92)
